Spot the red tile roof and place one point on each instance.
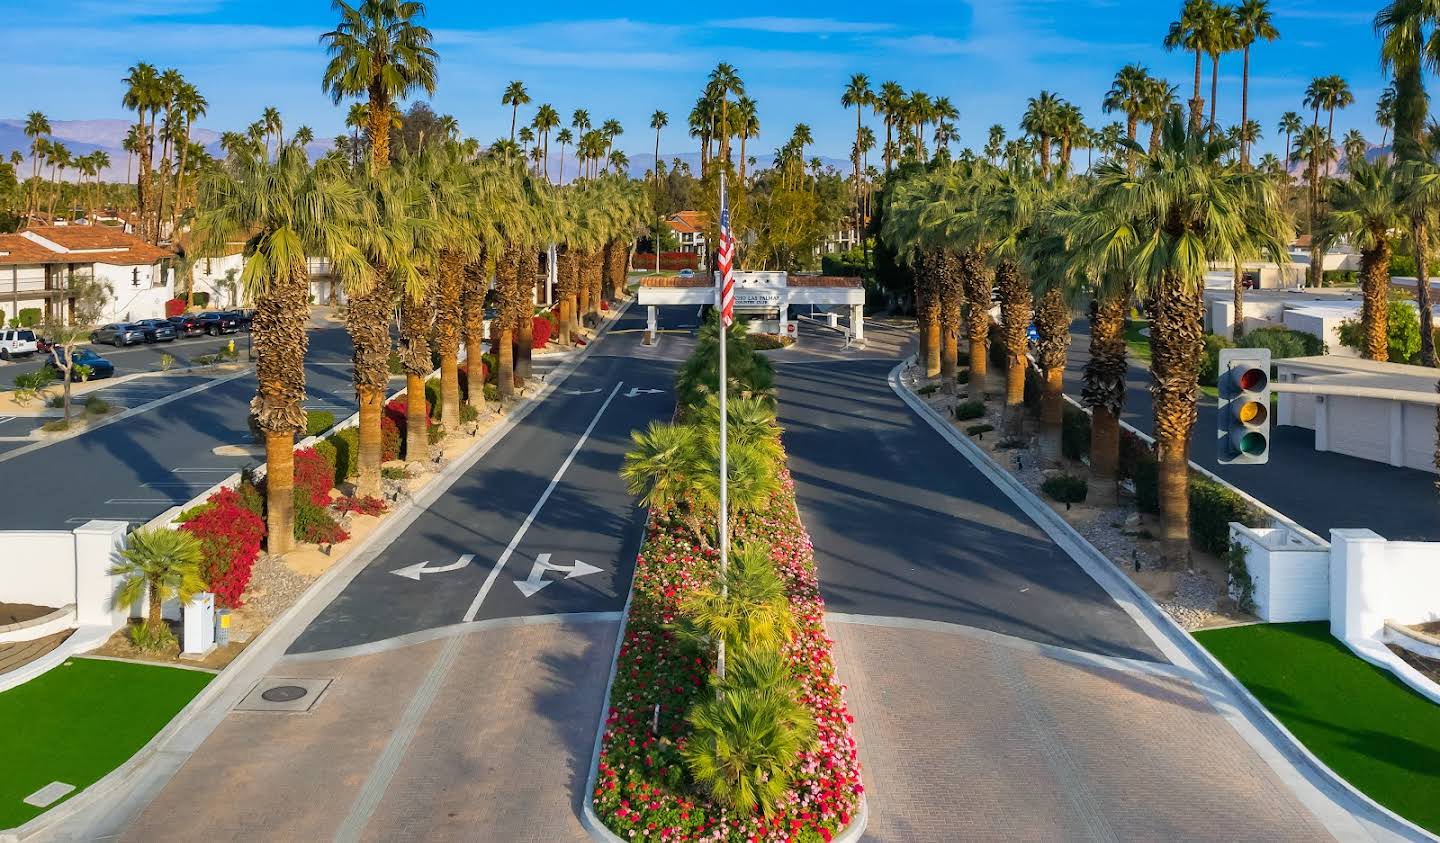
(83, 244)
(688, 222)
(19, 251)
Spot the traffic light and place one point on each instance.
(1244, 411)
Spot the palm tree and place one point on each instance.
(746, 120)
(159, 564)
(857, 95)
(60, 160)
(1291, 124)
(356, 119)
(892, 102)
(1406, 28)
(285, 210)
(379, 50)
(1189, 33)
(1385, 113)
(37, 127)
(131, 145)
(658, 121)
(1183, 209)
(1128, 93)
(1004, 217)
(995, 143)
(145, 95)
(1041, 121)
(189, 104)
(1355, 147)
(1220, 33)
(515, 96)
(1255, 24)
(1160, 101)
(564, 138)
(546, 118)
(610, 130)
(724, 80)
(1365, 209)
(1047, 259)
(1316, 148)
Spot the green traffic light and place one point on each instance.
(1252, 444)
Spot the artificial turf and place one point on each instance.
(81, 720)
(1360, 720)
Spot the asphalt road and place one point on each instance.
(904, 526)
(136, 468)
(1319, 489)
(550, 486)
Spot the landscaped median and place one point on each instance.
(765, 753)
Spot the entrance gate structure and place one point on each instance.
(762, 295)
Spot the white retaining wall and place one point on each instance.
(1290, 573)
(60, 567)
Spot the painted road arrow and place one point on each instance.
(635, 390)
(579, 391)
(537, 581)
(413, 572)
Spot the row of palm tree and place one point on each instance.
(166, 108)
(45, 151)
(594, 147)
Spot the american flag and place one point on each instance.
(725, 256)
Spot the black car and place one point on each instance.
(244, 317)
(99, 367)
(118, 334)
(186, 325)
(157, 330)
(217, 322)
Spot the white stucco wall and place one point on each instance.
(1291, 575)
(129, 302)
(208, 275)
(37, 567)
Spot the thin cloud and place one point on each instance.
(801, 26)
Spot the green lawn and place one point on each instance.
(1137, 343)
(1360, 720)
(80, 721)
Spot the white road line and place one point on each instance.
(530, 519)
(132, 501)
(178, 484)
(4, 419)
(218, 470)
(83, 519)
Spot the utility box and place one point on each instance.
(200, 624)
(222, 627)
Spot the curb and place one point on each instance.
(1346, 812)
(217, 698)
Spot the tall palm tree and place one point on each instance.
(284, 210)
(1220, 33)
(380, 51)
(658, 121)
(857, 95)
(892, 102)
(189, 104)
(1355, 147)
(995, 143)
(144, 94)
(37, 128)
(1183, 209)
(724, 80)
(1255, 24)
(1385, 113)
(564, 138)
(1041, 121)
(1365, 209)
(1188, 33)
(131, 145)
(1159, 103)
(610, 130)
(1291, 124)
(1337, 95)
(1406, 29)
(546, 119)
(514, 96)
(1316, 148)
(60, 161)
(746, 121)
(1128, 93)
(1047, 259)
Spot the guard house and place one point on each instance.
(761, 295)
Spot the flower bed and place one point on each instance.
(641, 789)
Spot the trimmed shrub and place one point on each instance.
(1074, 432)
(966, 410)
(174, 307)
(201, 298)
(1283, 342)
(318, 421)
(1066, 488)
(328, 452)
(29, 317)
(1147, 484)
(362, 506)
(1212, 507)
(390, 439)
(432, 398)
(95, 405)
(1402, 331)
(38, 379)
(314, 523)
(230, 534)
(979, 429)
(928, 389)
(314, 475)
(1210, 359)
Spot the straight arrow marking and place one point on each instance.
(580, 391)
(635, 390)
(413, 572)
(535, 511)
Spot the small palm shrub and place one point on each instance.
(743, 746)
(746, 608)
(158, 564)
(967, 410)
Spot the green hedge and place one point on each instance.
(1210, 361)
(1212, 507)
(318, 421)
(342, 448)
(1075, 433)
(966, 410)
(1283, 343)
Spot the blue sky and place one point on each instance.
(988, 56)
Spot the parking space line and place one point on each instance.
(178, 484)
(216, 470)
(131, 501)
(82, 519)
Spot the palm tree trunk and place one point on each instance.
(1374, 285)
(379, 128)
(1237, 322)
(367, 321)
(1052, 324)
(505, 361)
(279, 492)
(1245, 111)
(448, 316)
(1015, 312)
(371, 455)
(1177, 344)
(1197, 105)
(524, 345)
(155, 619)
(1052, 414)
(473, 304)
(1421, 235)
(417, 421)
(1214, 85)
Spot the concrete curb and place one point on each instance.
(1346, 812)
(112, 795)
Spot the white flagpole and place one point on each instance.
(724, 472)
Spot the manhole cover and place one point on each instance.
(283, 693)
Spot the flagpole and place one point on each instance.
(724, 473)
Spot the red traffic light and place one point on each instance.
(1253, 379)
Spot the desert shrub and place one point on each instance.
(29, 317)
(1065, 488)
(95, 405)
(468, 414)
(1074, 432)
(490, 366)
(36, 380)
(201, 298)
(432, 398)
(1210, 359)
(435, 433)
(979, 429)
(326, 449)
(318, 421)
(394, 472)
(230, 534)
(1212, 507)
(492, 392)
(56, 426)
(1283, 342)
(928, 389)
(1402, 327)
(314, 523)
(966, 410)
(362, 506)
(1403, 266)
(314, 475)
(766, 342)
(55, 402)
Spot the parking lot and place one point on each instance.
(144, 357)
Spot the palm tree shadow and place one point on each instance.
(572, 698)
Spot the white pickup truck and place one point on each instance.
(16, 342)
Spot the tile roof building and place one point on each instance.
(37, 264)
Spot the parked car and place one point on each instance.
(217, 322)
(157, 330)
(118, 334)
(687, 273)
(99, 366)
(17, 342)
(186, 325)
(244, 317)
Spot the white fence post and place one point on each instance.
(1357, 584)
(95, 545)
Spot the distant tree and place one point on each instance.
(89, 297)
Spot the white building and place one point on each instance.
(689, 229)
(37, 265)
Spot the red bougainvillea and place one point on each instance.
(541, 332)
(641, 789)
(230, 535)
(363, 506)
(314, 475)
